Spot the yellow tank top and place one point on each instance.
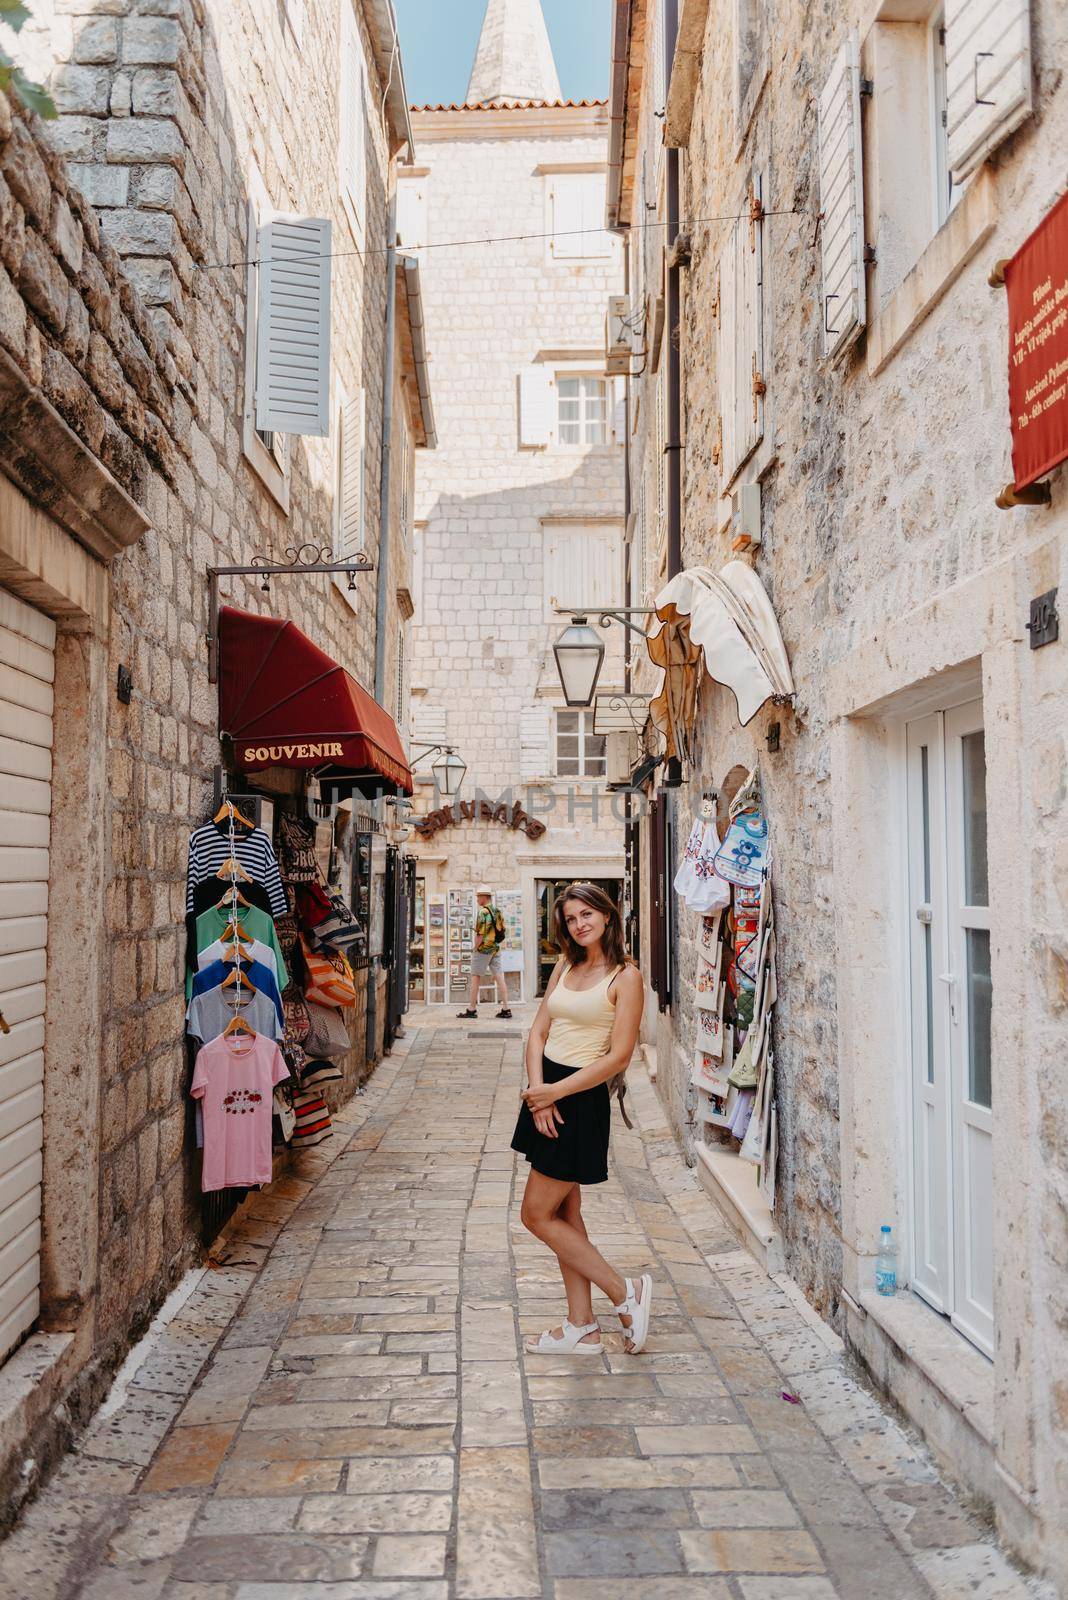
(582, 1022)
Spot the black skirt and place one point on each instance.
(579, 1153)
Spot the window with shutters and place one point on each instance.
(582, 564)
(400, 709)
(412, 211)
(844, 288)
(350, 485)
(535, 735)
(352, 122)
(580, 753)
(265, 449)
(581, 409)
(740, 361)
(576, 225)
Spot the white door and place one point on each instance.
(27, 642)
(952, 1255)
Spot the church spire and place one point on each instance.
(514, 59)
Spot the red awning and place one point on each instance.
(285, 703)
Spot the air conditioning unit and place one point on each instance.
(620, 756)
(617, 342)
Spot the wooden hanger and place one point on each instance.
(234, 955)
(229, 811)
(233, 897)
(232, 868)
(240, 979)
(238, 1025)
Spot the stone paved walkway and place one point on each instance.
(340, 1410)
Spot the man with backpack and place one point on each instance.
(485, 957)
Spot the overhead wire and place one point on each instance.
(503, 238)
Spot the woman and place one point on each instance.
(583, 1035)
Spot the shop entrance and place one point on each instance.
(546, 890)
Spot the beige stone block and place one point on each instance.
(750, 1550)
(496, 1549)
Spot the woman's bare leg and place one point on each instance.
(578, 1288)
(541, 1215)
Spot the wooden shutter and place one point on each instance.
(535, 728)
(412, 205)
(660, 87)
(569, 215)
(293, 327)
(536, 406)
(429, 727)
(741, 337)
(596, 242)
(639, 570)
(352, 132)
(843, 310)
(617, 389)
(402, 677)
(583, 564)
(352, 476)
(660, 446)
(988, 77)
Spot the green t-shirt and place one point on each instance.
(256, 923)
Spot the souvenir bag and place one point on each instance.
(330, 981)
(294, 1015)
(747, 904)
(684, 878)
(283, 1110)
(315, 1073)
(286, 932)
(296, 850)
(745, 854)
(312, 1119)
(327, 1034)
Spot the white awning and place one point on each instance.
(727, 619)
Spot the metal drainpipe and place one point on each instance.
(673, 768)
(384, 534)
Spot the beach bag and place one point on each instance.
(327, 1034)
(296, 850)
(294, 1016)
(311, 1119)
(330, 981)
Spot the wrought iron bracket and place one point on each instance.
(616, 614)
(301, 559)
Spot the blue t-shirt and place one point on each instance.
(260, 977)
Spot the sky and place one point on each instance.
(438, 39)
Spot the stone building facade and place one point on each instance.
(131, 465)
(925, 748)
(519, 508)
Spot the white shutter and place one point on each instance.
(26, 671)
(535, 728)
(639, 552)
(429, 728)
(582, 565)
(988, 77)
(401, 702)
(660, 448)
(741, 340)
(569, 215)
(352, 131)
(843, 310)
(536, 400)
(293, 331)
(618, 392)
(412, 212)
(352, 446)
(660, 87)
(596, 242)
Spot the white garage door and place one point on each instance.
(27, 641)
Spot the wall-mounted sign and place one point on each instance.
(1036, 281)
(467, 810)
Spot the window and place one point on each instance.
(947, 193)
(580, 753)
(581, 410)
(401, 707)
(352, 131)
(582, 564)
(265, 449)
(951, 995)
(577, 217)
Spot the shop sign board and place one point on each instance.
(1036, 282)
(467, 810)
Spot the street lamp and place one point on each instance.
(579, 654)
(448, 772)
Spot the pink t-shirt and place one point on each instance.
(234, 1078)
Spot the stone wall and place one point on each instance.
(122, 314)
(893, 576)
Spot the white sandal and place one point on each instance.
(638, 1311)
(569, 1345)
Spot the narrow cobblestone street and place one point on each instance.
(340, 1409)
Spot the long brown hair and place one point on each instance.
(615, 953)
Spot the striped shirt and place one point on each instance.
(210, 847)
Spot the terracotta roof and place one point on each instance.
(513, 105)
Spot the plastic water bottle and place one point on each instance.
(886, 1262)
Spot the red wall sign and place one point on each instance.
(1037, 283)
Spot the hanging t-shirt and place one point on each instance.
(261, 978)
(207, 1014)
(234, 1080)
(251, 950)
(258, 924)
(212, 845)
